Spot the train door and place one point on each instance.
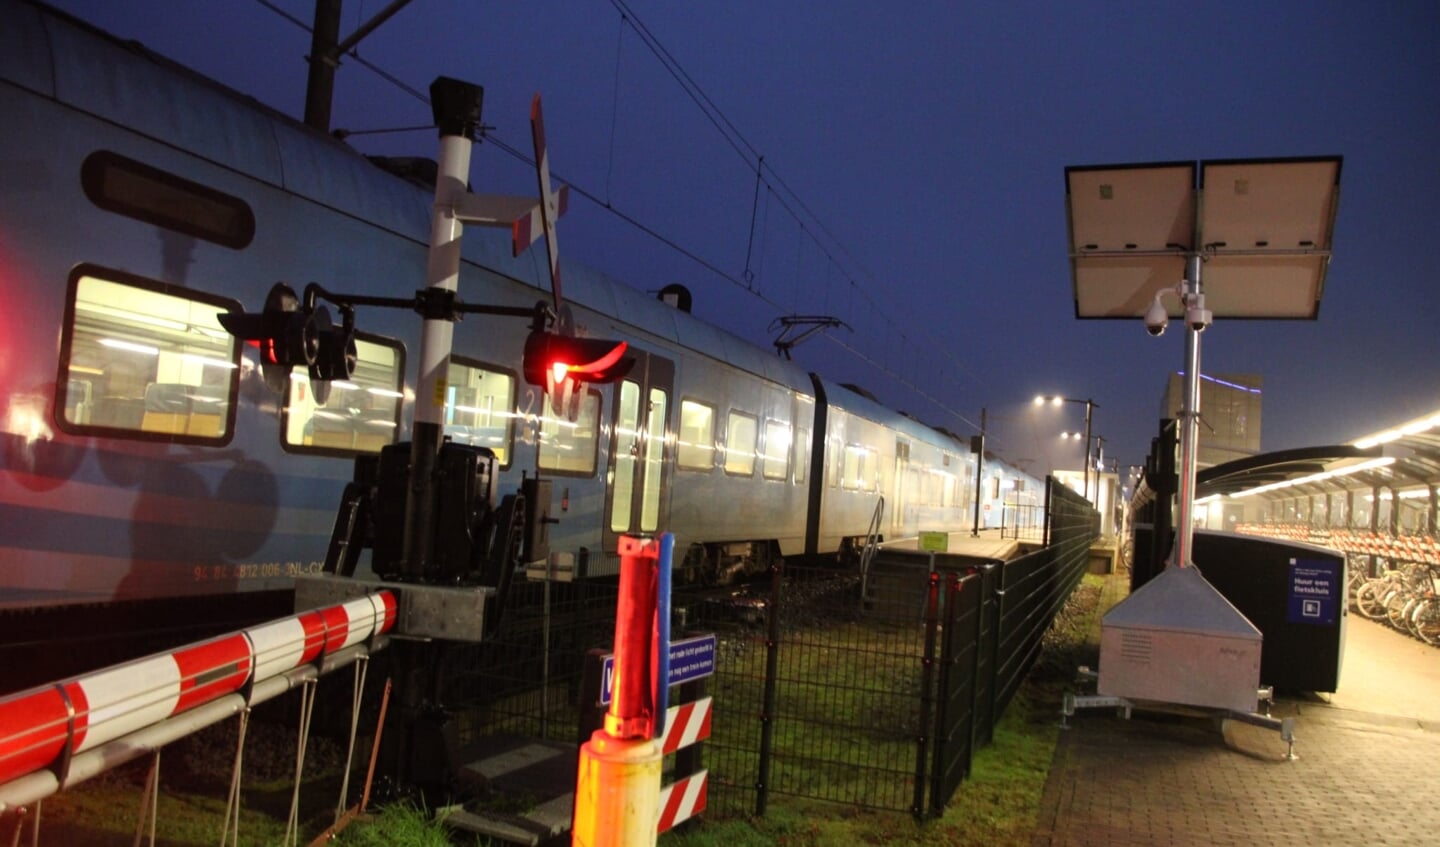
(638, 491)
(900, 488)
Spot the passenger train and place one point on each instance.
(145, 458)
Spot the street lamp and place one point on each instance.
(1090, 405)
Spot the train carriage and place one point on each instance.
(147, 457)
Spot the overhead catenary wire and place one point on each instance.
(834, 249)
(737, 141)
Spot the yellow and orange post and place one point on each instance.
(617, 787)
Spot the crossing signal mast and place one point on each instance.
(428, 508)
(293, 331)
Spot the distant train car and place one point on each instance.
(143, 457)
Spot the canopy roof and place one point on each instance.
(1404, 458)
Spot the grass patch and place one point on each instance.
(997, 805)
(401, 824)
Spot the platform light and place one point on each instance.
(1372, 464)
(1415, 427)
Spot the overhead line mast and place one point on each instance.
(325, 52)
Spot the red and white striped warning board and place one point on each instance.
(686, 724)
(682, 800)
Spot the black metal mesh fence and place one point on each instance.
(525, 679)
(817, 693)
(870, 690)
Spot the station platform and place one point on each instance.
(988, 544)
(1363, 776)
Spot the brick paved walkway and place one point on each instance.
(1366, 772)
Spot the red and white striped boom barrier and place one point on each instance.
(63, 733)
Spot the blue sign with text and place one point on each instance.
(690, 660)
(1314, 591)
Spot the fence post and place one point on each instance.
(1000, 571)
(948, 662)
(979, 574)
(772, 670)
(1049, 507)
(927, 691)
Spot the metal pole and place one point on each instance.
(1189, 427)
(927, 692)
(320, 84)
(442, 275)
(617, 783)
(772, 673)
(979, 472)
(1088, 406)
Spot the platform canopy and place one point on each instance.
(1262, 228)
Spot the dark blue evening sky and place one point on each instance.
(914, 159)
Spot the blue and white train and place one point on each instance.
(144, 458)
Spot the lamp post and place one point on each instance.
(1090, 406)
(977, 446)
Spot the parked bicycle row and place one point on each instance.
(1406, 596)
(1416, 547)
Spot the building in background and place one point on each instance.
(1229, 414)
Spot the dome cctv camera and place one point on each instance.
(1156, 318)
(1197, 317)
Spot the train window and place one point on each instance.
(654, 459)
(627, 452)
(853, 469)
(775, 464)
(802, 455)
(571, 448)
(835, 453)
(697, 436)
(137, 190)
(145, 360)
(860, 470)
(740, 437)
(480, 407)
(360, 414)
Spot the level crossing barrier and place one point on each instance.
(58, 735)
